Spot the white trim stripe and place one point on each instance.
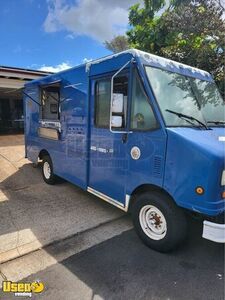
(109, 199)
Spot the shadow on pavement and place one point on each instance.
(124, 268)
(32, 213)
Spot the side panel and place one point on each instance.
(68, 153)
(74, 128)
(149, 168)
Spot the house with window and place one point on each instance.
(12, 81)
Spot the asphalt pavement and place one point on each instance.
(124, 268)
(34, 214)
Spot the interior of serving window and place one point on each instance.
(50, 98)
(197, 98)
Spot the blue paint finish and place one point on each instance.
(195, 158)
(175, 159)
(150, 167)
(69, 153)
(107, 170)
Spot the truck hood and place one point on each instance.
(195, 158)
(212, 141)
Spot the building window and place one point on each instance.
(50, 97)
(142, 116)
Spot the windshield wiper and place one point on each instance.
(217, 122)
(180, 115)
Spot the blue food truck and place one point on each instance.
(143, 133)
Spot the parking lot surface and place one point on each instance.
(124, 268)
(34, 214)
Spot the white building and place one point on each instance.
(11, 103)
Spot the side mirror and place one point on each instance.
(116, 121)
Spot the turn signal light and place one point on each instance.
(223, 194)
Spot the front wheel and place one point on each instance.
(158, 221)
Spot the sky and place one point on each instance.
(53, 35)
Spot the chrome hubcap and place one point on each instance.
(47, 170)
(153, 222)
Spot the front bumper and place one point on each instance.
(214, 232)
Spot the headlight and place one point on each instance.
(223, 178)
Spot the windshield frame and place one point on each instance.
(211, 125)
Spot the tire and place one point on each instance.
(159, 223)
(47, 170)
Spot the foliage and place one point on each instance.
(137, 17)
(117, 44)
(188, 31)
(144, 33)
(192, 32)
(196, 35)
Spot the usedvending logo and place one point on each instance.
(24, 289)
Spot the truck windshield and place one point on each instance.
(186, 95)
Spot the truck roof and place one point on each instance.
(146, 59)
(153, 60)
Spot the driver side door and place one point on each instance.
(108, 158)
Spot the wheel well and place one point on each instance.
(146, 188)
(43, 153)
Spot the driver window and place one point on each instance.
(102, 96)
(142, 116)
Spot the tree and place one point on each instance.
(198, 37)
(117, 44)
(137, 18)
(191, 32)
(144, 32)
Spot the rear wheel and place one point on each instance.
(47, 170)
(158, 221)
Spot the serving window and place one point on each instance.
(50, 98)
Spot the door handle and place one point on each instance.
(124, 138)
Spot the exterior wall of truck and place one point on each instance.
(119, 153)
(87, 153)
(80, 132)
